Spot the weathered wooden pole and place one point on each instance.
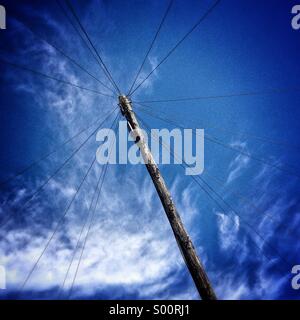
(183, 240)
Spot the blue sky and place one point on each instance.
(243, 46)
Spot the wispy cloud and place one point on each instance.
(239, 163)
(121, 250)
(228, 229)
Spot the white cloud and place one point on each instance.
(228, 229)
(239, 163)
(129, 245)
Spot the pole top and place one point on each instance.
(124, 103)
(123, 99)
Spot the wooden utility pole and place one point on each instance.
(183, 240)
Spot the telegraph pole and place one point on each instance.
(184, 242)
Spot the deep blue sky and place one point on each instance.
(243, 46)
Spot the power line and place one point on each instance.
(243, 219)
(84, 225)
(151, 46)
(232, 95)
(247, 134)
(58, 224)
(64, 12)
(184, 164)
(55, 172)
(178, 44)
(21, 67)
(239, 195)
(243, 197)
(103, 174)
(45, 156)
(248, 155)
(108, 74)
(222, 183)
(251, 227)
(212, 139)
(72, 60)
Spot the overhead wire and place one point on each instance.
(102, 64)
(227, 146)
(84, 40)
(232, 95)
(207, 13)
(64, 54)
(41, 74)
(83, 226)
(104, 171)
(48, 154)
(41, 187)
(245, 134)
(184, 165)
(151, 45)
